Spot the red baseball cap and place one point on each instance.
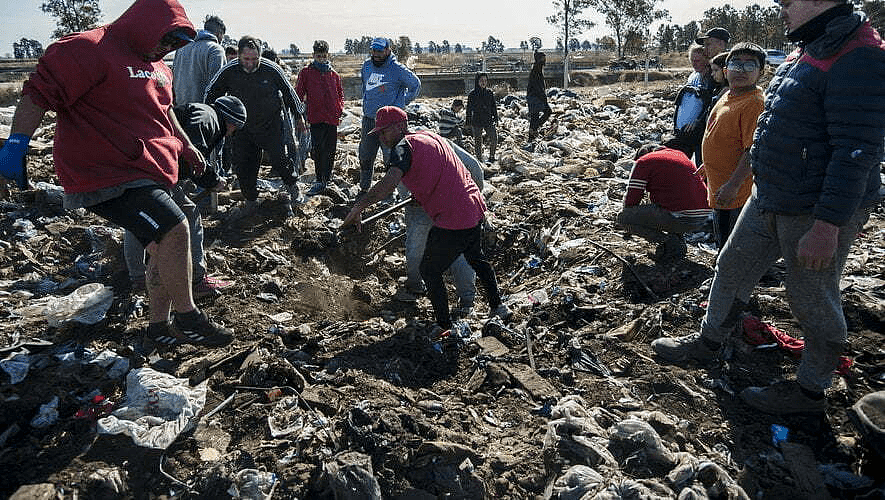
(387, 116)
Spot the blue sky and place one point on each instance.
(281, 22)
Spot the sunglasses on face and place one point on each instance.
(744, 66)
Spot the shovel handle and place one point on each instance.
(387, 210)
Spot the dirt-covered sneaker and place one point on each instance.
(197, 328)
(694, 346)
(294, 194)
(502, 311)
(406, 295)
(161, 333)
(464, 310)
(247, 209)
(783, 398)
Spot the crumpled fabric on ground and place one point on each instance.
(758, 332)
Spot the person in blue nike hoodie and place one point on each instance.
(386, 82)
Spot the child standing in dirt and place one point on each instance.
(729, 135)
(450, 121)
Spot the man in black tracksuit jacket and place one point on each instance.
(264, 89)
(482, 114)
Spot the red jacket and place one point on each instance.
(322, 93)
(440, 182)
(669, 177)
(112, 107)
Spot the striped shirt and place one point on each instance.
(448, 120)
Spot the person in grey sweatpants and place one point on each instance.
(761, 239)
(816, 171)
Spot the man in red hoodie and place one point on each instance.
(117, 144)
(319, 86)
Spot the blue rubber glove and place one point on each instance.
(12, 159)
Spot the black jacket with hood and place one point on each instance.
(481, 108)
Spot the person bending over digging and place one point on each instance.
(427, 165)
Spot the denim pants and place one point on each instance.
(133, 252)
(368, 150)
(418, 225)
(443, 247)
(757, 241)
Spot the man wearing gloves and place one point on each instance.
(117, 145)
(815, 160)
(386, 82)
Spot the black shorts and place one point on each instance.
(147, 212)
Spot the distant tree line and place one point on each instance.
(27, 49)
(629, 20)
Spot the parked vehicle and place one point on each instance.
(775, 57)
(622, 64)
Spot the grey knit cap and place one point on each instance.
(232, 109)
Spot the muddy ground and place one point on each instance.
(422, 420)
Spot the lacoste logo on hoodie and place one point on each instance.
(157, 76)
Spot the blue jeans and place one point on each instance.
(368, 150)
(757, 241)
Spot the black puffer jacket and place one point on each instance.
(481, 108)
(819, 140)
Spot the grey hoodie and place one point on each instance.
(194, 66)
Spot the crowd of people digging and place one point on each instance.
(815, 179)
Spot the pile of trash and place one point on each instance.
(332, 389)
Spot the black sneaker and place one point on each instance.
(679, 349)
(161, 333)
(783, 398)
(201, 330)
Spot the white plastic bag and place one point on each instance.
(87, 304)
(158, 407)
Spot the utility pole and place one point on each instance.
(566, 4)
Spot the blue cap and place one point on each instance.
(380, 43)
